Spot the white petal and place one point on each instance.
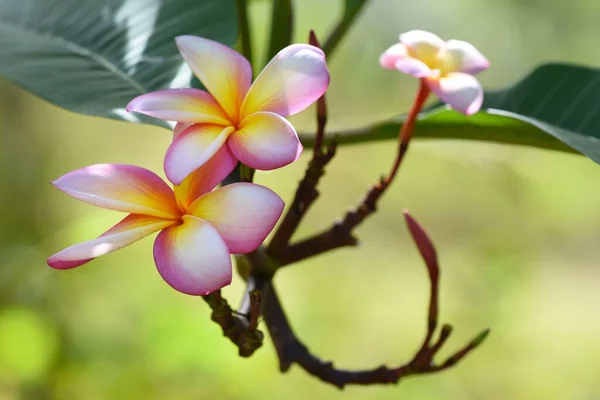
(460, 91)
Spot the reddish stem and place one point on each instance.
(407, 130)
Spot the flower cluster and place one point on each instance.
(235, 120)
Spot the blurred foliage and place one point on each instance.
(516, 229)
(93, 57)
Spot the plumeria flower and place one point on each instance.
(446, 67)
(244, 116)
(199, 228)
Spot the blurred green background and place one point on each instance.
(517, 231)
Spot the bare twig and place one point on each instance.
(307, 192)
(255, 299)
(429, 255)
(341, 233)
(244, 335)
(321, 107)
(291, 350)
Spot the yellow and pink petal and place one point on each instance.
(422, 45)
(226, 74)
(265, 141)
(181, 105)
(131, 229)
(192, 257)
(242, 213)
(461, 91)
(396, 57)
(205, 178)
(192, 148)
(294, 79)
(180, 127)
(389, 57)
(121, 187)
(460, 56)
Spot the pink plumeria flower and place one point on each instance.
(446, 67)
(199, 228)
(246, 117)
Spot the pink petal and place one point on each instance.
(265, 141)
(192, 257)
(459, 56)
(413, 67)
(182, 105)
(225, 73)
(180, 127)
(122, 188)
(460, 91)
(390, 56)
(422, 45)
(242, 213)
(192, 148)
(131, 229)
(205, 178)
(396, 57)
(294, 79)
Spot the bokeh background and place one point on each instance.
(517, 231)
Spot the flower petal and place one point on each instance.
(182, 105)
(459, 56)
(460, 91)
(265, 141)
(205, 178)
(294, 79)
(225, 73)
(192, 257)
(122, 188)
(192, 148)
(180, 127)
(422, 45)
(413, 67)
(390, 56)
(131, 229)
(242, 213)
(397, 57)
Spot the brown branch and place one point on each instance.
(341, 233)
(241, 332)
(321, 107)
(259, 267)
(307, 191)
(255, 299)
(305, 195)
(291, 350)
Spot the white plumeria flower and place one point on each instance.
(446, 67)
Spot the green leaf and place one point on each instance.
(557, 106)
(352, 9)
(245, 44)
(94, 56)
(282, 27)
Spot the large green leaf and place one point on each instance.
(557, 106)
(93, 56)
